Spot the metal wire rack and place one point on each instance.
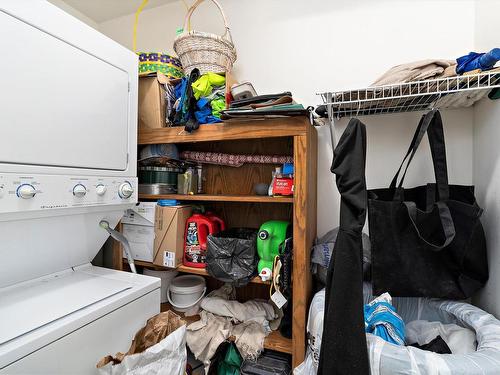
(452, 92)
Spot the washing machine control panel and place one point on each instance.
(48, 192)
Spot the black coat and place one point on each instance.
(343, 344)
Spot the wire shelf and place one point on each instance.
(451, 92)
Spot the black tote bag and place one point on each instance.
(427, 241)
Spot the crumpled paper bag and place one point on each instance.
(156, 329)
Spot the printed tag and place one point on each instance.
(169, 259)
(279, 299)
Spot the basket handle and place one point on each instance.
(136, 21)
(187, 20)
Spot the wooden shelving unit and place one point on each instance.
(229, 192)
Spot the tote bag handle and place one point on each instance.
(446, 223)
(410, 149)
(431, 123)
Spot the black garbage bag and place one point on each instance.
(232, 255)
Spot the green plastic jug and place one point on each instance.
(271, 235)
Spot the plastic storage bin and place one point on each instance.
(269, 363)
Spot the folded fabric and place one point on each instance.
(233, 160)
(481, 61)
(203, 86)
(438, 345)
(249, 339)
(382, 320)
(218, 105)
(204, 112)
(205, 335)
(417, 71)
(460, 340)
(253, 310)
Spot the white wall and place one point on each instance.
(316, 45)
(487, 157)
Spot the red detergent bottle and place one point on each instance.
(198, 227)
(220, 225)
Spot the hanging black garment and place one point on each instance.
(427, 241)
(343, 343)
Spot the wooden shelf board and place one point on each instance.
(275, 341)
(220, 198)
(203, 272)
(269, 128)
(191, 270)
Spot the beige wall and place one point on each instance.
(74, 12)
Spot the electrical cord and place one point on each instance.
(123, 240)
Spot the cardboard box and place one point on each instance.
(138, 227)
(152, 107)
(170, 223)
(143, 213)
(141, 240)
(156, 233)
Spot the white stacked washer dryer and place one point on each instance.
(68, 128)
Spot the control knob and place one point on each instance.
(100, 190)
(26, 191)
(125, 190)
(79, 191)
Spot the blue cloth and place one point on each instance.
(180, 93)
(474, 60)
(204, 112)
(382, 320)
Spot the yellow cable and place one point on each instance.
(139, 10)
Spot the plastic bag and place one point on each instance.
(158, 348)
(226, 360)
(232, 255)
(314, 334)
(322, 252)
(460, 340)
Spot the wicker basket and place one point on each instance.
(205, 51)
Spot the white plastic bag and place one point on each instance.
(460, 340)
(314, 333)
(168, 357)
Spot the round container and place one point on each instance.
(165, 276)
(160, 62)
(158, 175)
(186, 291)
(157, 189)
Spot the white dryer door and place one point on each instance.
(59, 105)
